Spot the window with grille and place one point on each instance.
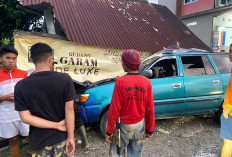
(189, 1)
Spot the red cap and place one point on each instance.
(131, 58)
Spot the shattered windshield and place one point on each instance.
(147, 62)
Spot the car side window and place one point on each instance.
(197, 65)
(164, 68)
(222, 62)
(208, 66)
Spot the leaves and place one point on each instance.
(12, 18)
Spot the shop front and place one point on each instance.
(222, 32)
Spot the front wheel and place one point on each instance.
(103, 123)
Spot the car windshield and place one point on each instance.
(147, 62)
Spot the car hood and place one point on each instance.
(81, 87)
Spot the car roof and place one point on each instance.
(193, 51)
(176, 50)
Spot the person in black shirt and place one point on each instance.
(45, 101)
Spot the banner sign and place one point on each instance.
(81, 62)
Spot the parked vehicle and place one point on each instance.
(184, 82)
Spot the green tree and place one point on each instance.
(13, 18)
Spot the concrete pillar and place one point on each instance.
(49, 20)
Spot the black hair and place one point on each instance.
(40, 52)
(230, 44)
(8, 49)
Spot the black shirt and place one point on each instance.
(44, 94)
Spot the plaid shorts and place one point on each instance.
(226, 127)
(51, 151)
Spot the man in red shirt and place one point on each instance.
(133, 101)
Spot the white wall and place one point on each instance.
(170, 4)
(203, 27)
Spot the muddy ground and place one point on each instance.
(193, 136)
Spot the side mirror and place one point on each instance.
(147, 73)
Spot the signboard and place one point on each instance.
(215, 40)
(81, 62)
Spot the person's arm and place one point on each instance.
(8, 97)
(227, 111)
(26, 116)
(115, 107)
(69, 118)
(69, 115)
(150, 113)
(228, 101)
(38, 122)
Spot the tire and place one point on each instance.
(218, 113)
(103, 123)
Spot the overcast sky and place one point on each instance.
(153, 1)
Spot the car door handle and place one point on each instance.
(176, 85)
(215, 82)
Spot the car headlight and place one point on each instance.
(84, 97)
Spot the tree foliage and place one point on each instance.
(13, 18)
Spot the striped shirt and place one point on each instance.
(8, 79)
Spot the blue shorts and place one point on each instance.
(226, 127)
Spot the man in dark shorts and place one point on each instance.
(45, 101)
(133, 101)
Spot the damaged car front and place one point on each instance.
(95, 99)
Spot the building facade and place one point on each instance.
(170, 4)
(210, 20)
(188, 7)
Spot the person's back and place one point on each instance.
(135, 90)
(132, 101)
(45, 101)
(48, 102)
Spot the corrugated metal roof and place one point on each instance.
(120, 24)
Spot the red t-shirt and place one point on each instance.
(133, 100)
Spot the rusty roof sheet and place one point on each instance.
(119, 24)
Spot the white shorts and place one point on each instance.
(9, 130)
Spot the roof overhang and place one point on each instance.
(151, 27)
(35, 9)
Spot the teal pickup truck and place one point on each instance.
(184, 82)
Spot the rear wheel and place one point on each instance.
(103, 123)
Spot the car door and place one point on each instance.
(203, 86)
(167, 87)
(222, 64)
